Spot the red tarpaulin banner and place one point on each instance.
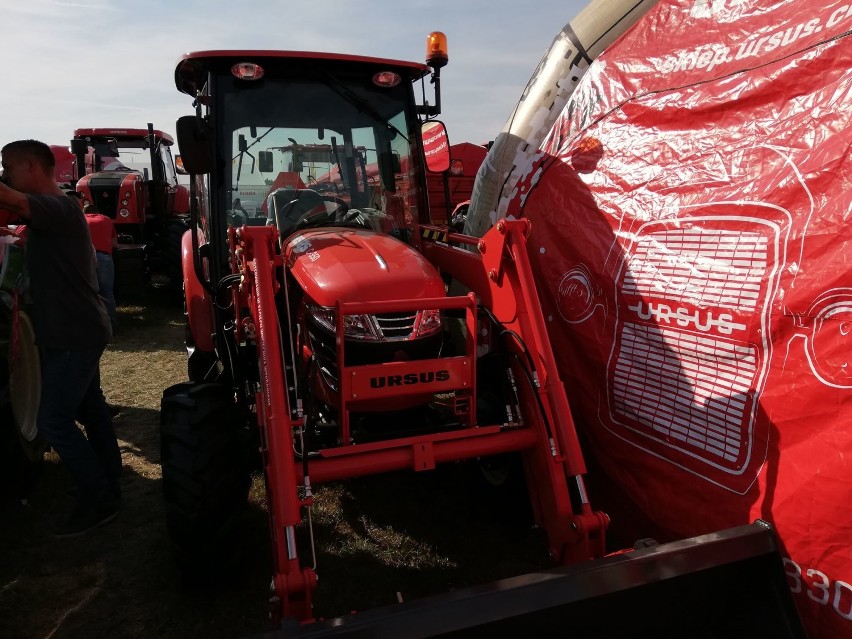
(691, 242)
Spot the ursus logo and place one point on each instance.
(425, 377)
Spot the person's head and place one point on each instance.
(237, 203)
(28, 166)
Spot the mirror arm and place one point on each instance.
(433, 110)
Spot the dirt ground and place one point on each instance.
(375, 536)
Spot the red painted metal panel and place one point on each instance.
(392, 379)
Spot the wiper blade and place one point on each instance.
(354, 99)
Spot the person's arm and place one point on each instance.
(14, 202)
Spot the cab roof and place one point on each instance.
(123, 134)
(192, 68)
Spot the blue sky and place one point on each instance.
(88, 63)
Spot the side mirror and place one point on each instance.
(195, 139)
(436, 146)
(79, 146)
(264, 159)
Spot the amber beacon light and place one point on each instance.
(436, 50)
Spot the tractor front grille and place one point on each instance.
(396, 326)
(105, 197)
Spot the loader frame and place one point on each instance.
(499, 277)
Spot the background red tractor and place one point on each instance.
(450, 190)
(129, 175)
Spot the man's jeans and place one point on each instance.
(71, 390)
(106, 283)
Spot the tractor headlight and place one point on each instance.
(429, 322)
(323, 316)
(355, 326)
(360, 327)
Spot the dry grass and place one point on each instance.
(375, 536)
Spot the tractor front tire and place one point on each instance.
(206, 451)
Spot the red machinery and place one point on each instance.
(323, 333)
(450, 191)
(64, 171)
(129, 175)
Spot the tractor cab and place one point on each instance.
(126, 174)
(316, 141)
(129, 175)
(334, 152)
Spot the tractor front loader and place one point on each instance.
(324, 331)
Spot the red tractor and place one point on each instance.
(65, 169)
(450, 191)
(321, 333)
(129, 175)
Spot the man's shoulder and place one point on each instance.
(49, 210)
(55, 199)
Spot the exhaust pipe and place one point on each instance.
(546, 94)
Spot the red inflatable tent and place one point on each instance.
(691, 238)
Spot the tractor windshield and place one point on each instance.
(130, 154)
(320, 150)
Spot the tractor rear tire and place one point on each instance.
(205, 448)
(22, 449)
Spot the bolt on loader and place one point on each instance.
(334, 332)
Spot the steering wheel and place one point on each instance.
(317, 216)
(342, 205)
(351, 215)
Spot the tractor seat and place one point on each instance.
(286, 206)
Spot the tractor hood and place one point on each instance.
(106, 178)
(355, 265)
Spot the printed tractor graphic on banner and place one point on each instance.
(696, 301)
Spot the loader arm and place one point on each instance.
(256, 261)
(498, 272)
